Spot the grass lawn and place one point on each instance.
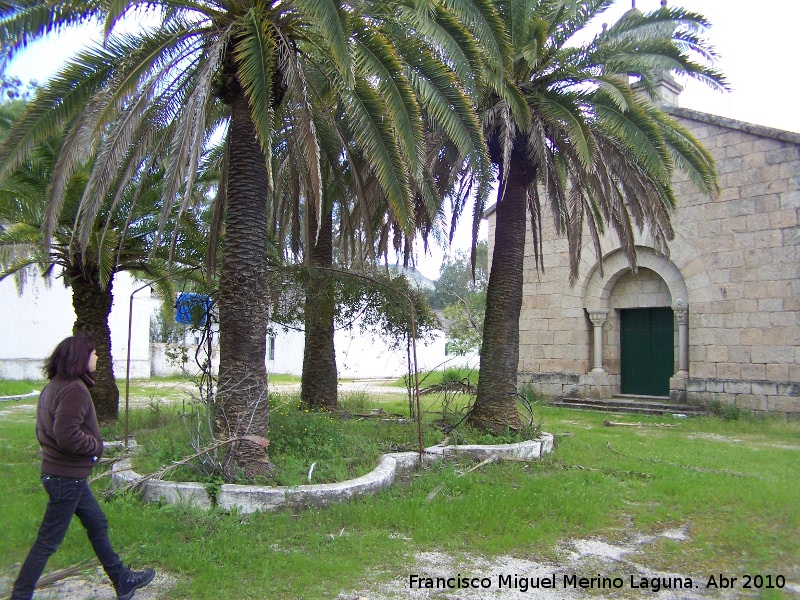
(10, 387)
(733, 486)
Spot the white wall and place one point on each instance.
(31, 324)
(358, 356)
(143, 306)
(289, 347)
(34, 322)
(364, 355)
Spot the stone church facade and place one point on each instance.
(717, 320)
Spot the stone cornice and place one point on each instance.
(752, 128)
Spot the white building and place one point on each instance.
(33, 322)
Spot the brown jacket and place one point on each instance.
(67, 429)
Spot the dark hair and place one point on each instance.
(71, 356)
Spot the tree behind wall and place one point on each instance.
(319, 387)
(22, 209)
(462, 298)
(587, 146)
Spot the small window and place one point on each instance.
(271, 348)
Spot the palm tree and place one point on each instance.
(154, 96)
(411, 92)
(89, 272)
(598, 154)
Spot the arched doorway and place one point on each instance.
(646, 336)
(636, 339)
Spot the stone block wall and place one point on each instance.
(758, 397)
(552, 385)
(744, 325)
(736, 256)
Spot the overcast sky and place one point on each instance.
(757, 43)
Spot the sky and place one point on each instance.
(757, 44)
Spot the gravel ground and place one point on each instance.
(516, 578)
(623, 565)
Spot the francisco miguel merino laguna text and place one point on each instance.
(568, 581)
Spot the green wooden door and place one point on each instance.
(647, 350)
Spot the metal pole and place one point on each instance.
(128, 360)
(128, 367)
(416, 382)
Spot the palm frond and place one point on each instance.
(23, 22)
(255, 58)
(329, 23)
(308, 143)
(641, 135)
(564, 110)
(374, 56)
(375, 135)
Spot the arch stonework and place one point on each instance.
(597, 288)
(596, 293)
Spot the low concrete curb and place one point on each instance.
(253, 498)
(19, 397)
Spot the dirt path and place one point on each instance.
(591, 568)
(371, 387)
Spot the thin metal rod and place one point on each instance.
(128, 367)
(128, 359)
(416, 381)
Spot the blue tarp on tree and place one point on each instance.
(192, 309)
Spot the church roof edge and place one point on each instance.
(752, 128)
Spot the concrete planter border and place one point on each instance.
(252, 498)
(19, 397)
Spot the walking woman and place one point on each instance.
(67, 430)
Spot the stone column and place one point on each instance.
(682, 316)
(598, 317)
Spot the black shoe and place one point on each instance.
(129, 581)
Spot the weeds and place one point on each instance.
(354, 402)
(731, 485)
(729, 412)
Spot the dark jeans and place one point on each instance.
(67, 497)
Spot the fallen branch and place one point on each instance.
(261, 441)
(608, 423)
(57, 576)
(457, 387)
(491, 459)
(435, 491)
(687, 467)
(699, 469)
(379, 413)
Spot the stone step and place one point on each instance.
(629, 404)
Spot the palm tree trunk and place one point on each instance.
(92, 305)
(320, 379)
(243, 407)
(496, 404)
